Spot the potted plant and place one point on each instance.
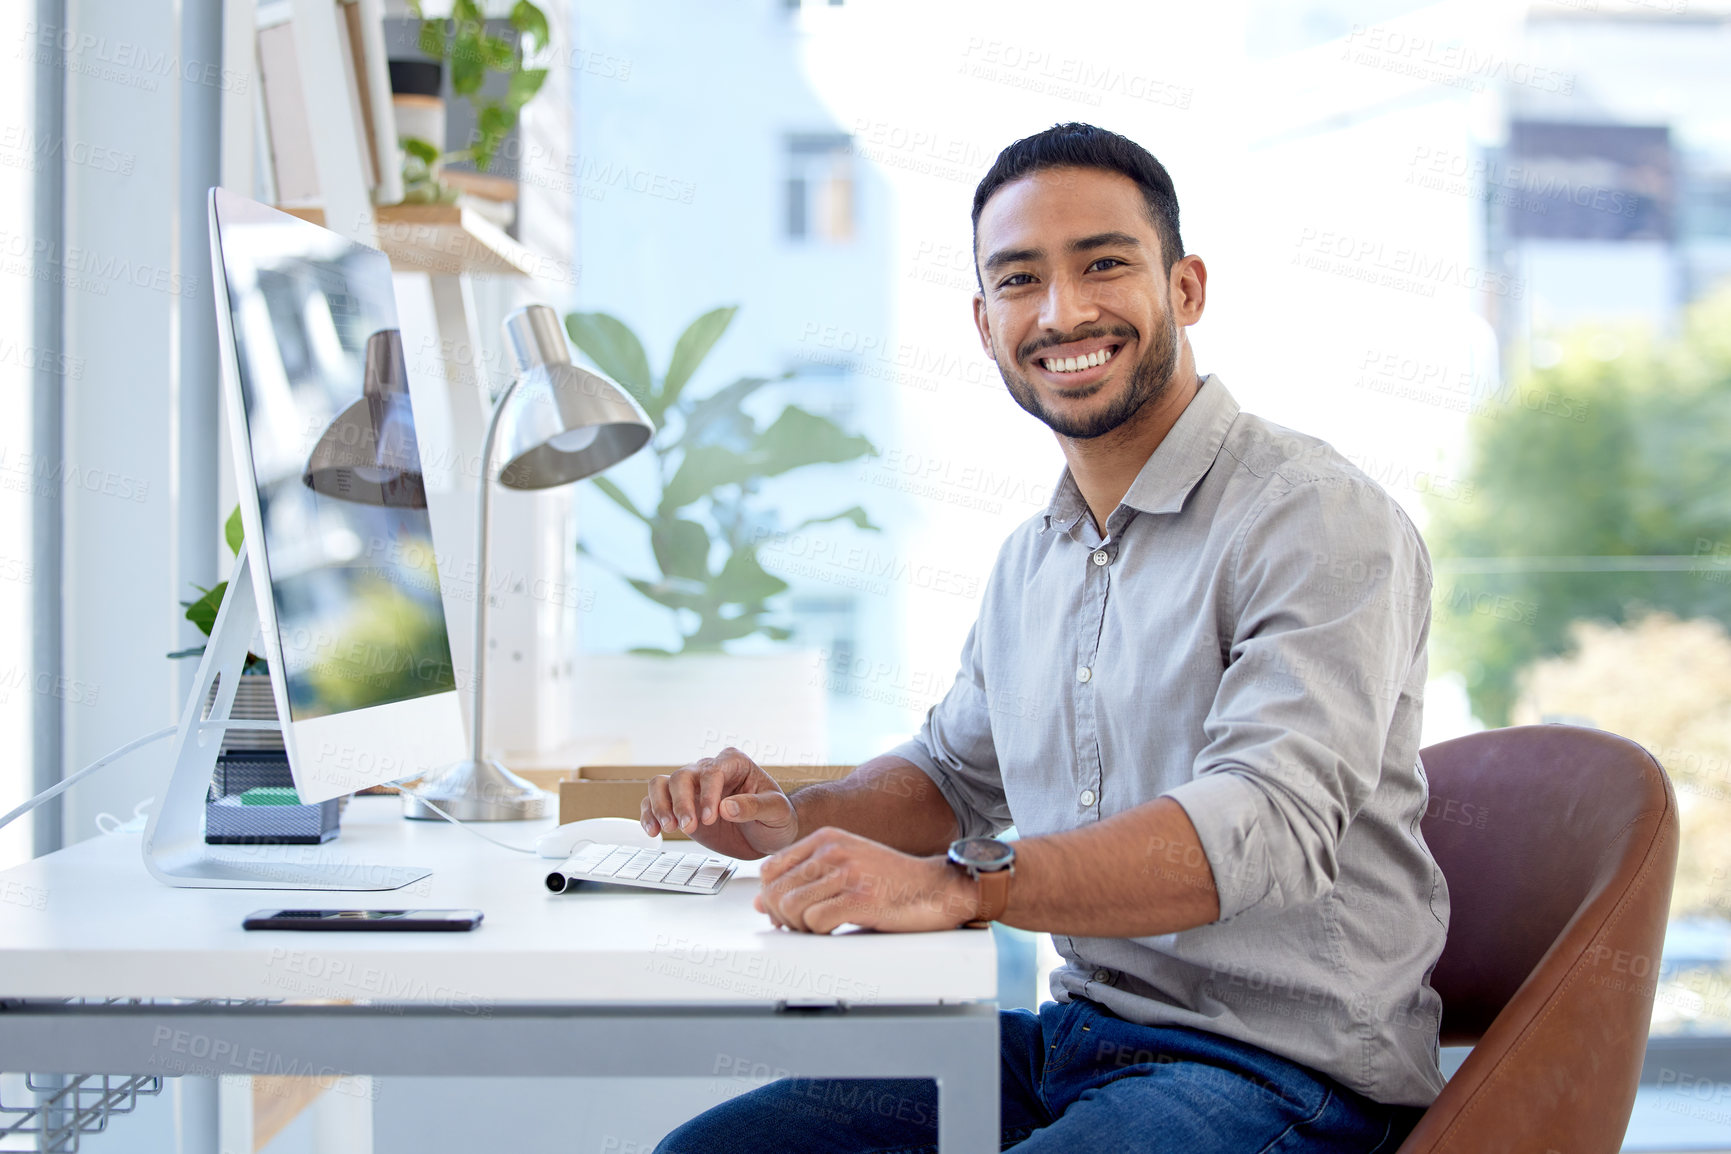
(253, 699)
(462, 44)
(706, 519)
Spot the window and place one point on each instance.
(820, 188)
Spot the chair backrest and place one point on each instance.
(1559, 846)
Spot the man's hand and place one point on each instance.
(834, 877)
(725, 803)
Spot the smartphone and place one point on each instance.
(362, 920)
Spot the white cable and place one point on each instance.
(62, 786)
(65, 784)
(460, 823)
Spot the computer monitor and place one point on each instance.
(338, 575)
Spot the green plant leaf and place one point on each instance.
(523, 87)
(777, 632)
(531, 24)
(798, 438)
(743, 580)
(681, 548)
(202, 612)
(492, 122)
(422, 150)
(433, 38)
(662, 594)
(619, 497)
(718, 415)
(232, 531)
(855, 514)
(466, 68)
(497, 55)
(705, 468)
(615, 349)
(688, 352)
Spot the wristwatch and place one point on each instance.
(991, 863)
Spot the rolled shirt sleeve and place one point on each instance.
(1331, 598)
(954, 748)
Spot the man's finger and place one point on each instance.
(799, 899)
(787, 859)
(772, 808)
(661, 801)
(823, 917)
(710, 788)
(684, 790)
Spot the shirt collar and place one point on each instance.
(1173, 469)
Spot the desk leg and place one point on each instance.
(968, 1110)
(196, 1127)
(968, 1090)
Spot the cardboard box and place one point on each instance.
(619, 790)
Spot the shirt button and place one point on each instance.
(1087, 798)
(1101, 557)
(1084, 674)
(1102, 975)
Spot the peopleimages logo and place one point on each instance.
(1395, 266)
(85, 268)
(126, 62)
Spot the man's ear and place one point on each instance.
(984, 325)
(1188, 289)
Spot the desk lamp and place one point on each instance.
(368, 454)
(560, 423)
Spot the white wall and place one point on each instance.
(124, 292)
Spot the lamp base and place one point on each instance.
(477, 791)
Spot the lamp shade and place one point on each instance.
(565, 423)
(368, 454)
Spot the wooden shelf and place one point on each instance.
(450, 240)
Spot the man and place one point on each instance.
(1194, 688)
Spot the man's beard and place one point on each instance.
(1150, 377)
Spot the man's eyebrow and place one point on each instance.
(1006, 256)
(1104, 240)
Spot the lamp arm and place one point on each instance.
(483, 510)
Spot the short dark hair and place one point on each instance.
(1085, 146)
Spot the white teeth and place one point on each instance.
(1075, 364)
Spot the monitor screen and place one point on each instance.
(337, 466)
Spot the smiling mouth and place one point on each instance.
(1093, 360)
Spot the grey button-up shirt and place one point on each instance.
(1248, 639)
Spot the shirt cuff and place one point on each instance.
(1226, 810)
(967, 821)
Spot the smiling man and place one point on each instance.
(1194, 688)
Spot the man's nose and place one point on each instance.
(1066, 307)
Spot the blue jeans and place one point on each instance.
(1075, 1078)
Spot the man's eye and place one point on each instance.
(1015, 280)
(1105, 263)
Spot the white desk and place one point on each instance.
(586, 983)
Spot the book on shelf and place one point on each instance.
(288, 168)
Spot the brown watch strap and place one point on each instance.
(994, 896)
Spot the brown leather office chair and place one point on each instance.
(1559, 879)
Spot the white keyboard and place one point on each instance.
(650, 869)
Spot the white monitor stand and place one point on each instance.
(174, 848)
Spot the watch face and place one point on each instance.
(982, 853)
